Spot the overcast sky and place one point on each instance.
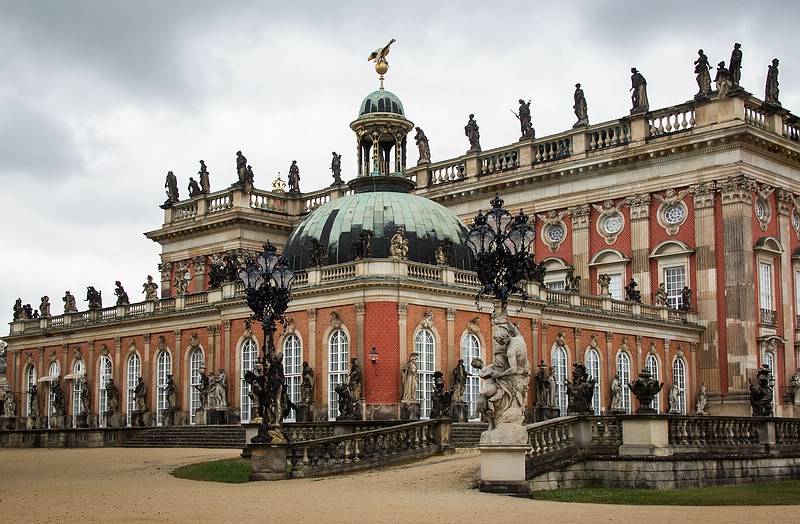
(100, 98)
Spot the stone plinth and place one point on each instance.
(33, 423)
(58, 422)
(383, 411)
(459, 411)
(648, 436)
(216, 416)
(81, 420)
(503, 459)
(168, 417)
(140, 419)
(200, 417)
(304, 412)
(542, 413)
(8, 423)
(268, 462)
(115, 420)
(409, 411)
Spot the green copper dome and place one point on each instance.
(336, 224)
(381, 101)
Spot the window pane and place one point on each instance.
(651, 364)
(77, 407)
(560, 374)
(133, 374)
(31, 381)
(249, 357)
(292, 367)
(470, 349)
(624, 373)
(196, 362)
(338, 368)
(593, 369)
(674, 281)
(54, 371)
(765, 286)
(679, 378)
(616, 287)
(102, 382)
(164, 369)
(424, 347)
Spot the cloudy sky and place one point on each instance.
(100, 98)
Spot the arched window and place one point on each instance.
(651, 364)
(30, 381)
(679, 378)
(338, 368)
(593, 369)
(132, 375)
(559, 358)
(77, 370)
(195, 363)
(624, 374)
(249, 357)
(470, 349)
(292, 360)
(424, 347)
(164, 368)
(103, 375)
(55, 372)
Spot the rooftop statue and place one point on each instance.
(17, 310)
(336, 169)
(639, 95)
(69, 303)
(149, 289)
(524, 117)
(122, 295)
(399, 244)
(94, 298)
(194, 188)
(701, 67)
(241, 168)
(736, 64)
(294, 178)
(44, 306)
(205, 183)
(172, 189)
(723, 80)
(379, 57)
(771, 91)
(580, 108)
(424, 148)
(473, 134)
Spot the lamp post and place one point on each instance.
(267, 282)
(501, 244)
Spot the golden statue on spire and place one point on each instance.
(379, 57)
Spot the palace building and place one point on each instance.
(696, 203)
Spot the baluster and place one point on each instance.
(347, 451)
(593, 141)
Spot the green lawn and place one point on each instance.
(759, 494)
(228, 470)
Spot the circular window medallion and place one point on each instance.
(556, 233)
(674, 214)
(761, 212)
(612, 224)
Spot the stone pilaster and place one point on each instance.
(785, 200)
(361, 309)
(611, 363)
(199, 277)
(402, 310)
(580, 244)
(146, 358)
(545, 348)
(639, 206)
(118, 371)
(312, 338)
(741, 326)
(450, 348)
(165, 268)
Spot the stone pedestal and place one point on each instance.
(268, 461)
(81, 421)
(33, 423)
(200, 417)
(645, 436)
(58, 422)
(459, 411)
(168, 417)
(114, 420)
(409, 411)
(503, 459)
(542, 413)
(8, 423)
(304, 412)
(216, 416)
(138, 419)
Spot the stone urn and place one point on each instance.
(645, 388)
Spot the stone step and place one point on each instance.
(467, 434)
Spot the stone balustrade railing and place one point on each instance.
(300, 431)
(671, 120)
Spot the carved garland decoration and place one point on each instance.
(762, 208)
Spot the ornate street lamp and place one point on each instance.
(373, 356)
(501, 244)
(267, 282)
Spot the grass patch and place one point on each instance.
(234, 471)
(757, 494)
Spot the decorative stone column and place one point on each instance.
(165, 268)
(580, 244)
(402, 338)
(312, 341)
(785, 200)
(360, 311)
(639, 206)
(705, 294)
(740, 327)
(199, 277)
(451, 344)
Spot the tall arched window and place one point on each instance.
(30, 381)
(679, 378)
(593, 369)
(103, 375)
(338, 368)
(651, 364)
(624, 374)
(249, 357)
(424, 347)
(132, 375)
(77, 369)
(559, 358)
(470, 349)
(292, 365)
(55, 372)
(164, 368)
(195, 363)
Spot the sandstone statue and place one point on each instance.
(140, 396)
(580, 108)
(639, 96)
(336, 169)
(205, 183)
(459, 381)
(473, 134)
(771, 92)
(701, 67)
(423, 146)
(410, 379)
(736, 64)
(307, 385)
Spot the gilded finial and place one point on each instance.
(379, 57)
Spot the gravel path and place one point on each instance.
(135, 485)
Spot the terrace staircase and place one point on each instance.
(227, 436)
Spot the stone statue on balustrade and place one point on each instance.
(59, 407)
(249, 179)
(317, 253)
(444, 253)
(632, 294)
(171, 186)
(362, 248)
(150, 289)
(761, 393)
(194, 188)
(9, 404)
(355, 380)
(722, 80)
(674, 400)
(28, 313)
(661, 295)
(222, 388)
(580, 108)
(112, 397)
(17, 310)
(639, 92)
(505, 381)
(410, 379)
(33, 401)
(459, 381)
(771, 92)
(345, 402)
(572, 283)
(307, 385)
(736, 64)
(122, 295)
(701, 67)
(294, 178)
(241, 169)
(44, 307)
(398, 248)
(441, 398)
(525, 123)
(702, 400)
(70, 306)
(423, 146)
(686, 298)
(795, 383)
(473, 135)
(617, 405)
(580, 391)
(604, 280)
(94, 298)
(336, 169)
(140, 396)
(205, 182)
